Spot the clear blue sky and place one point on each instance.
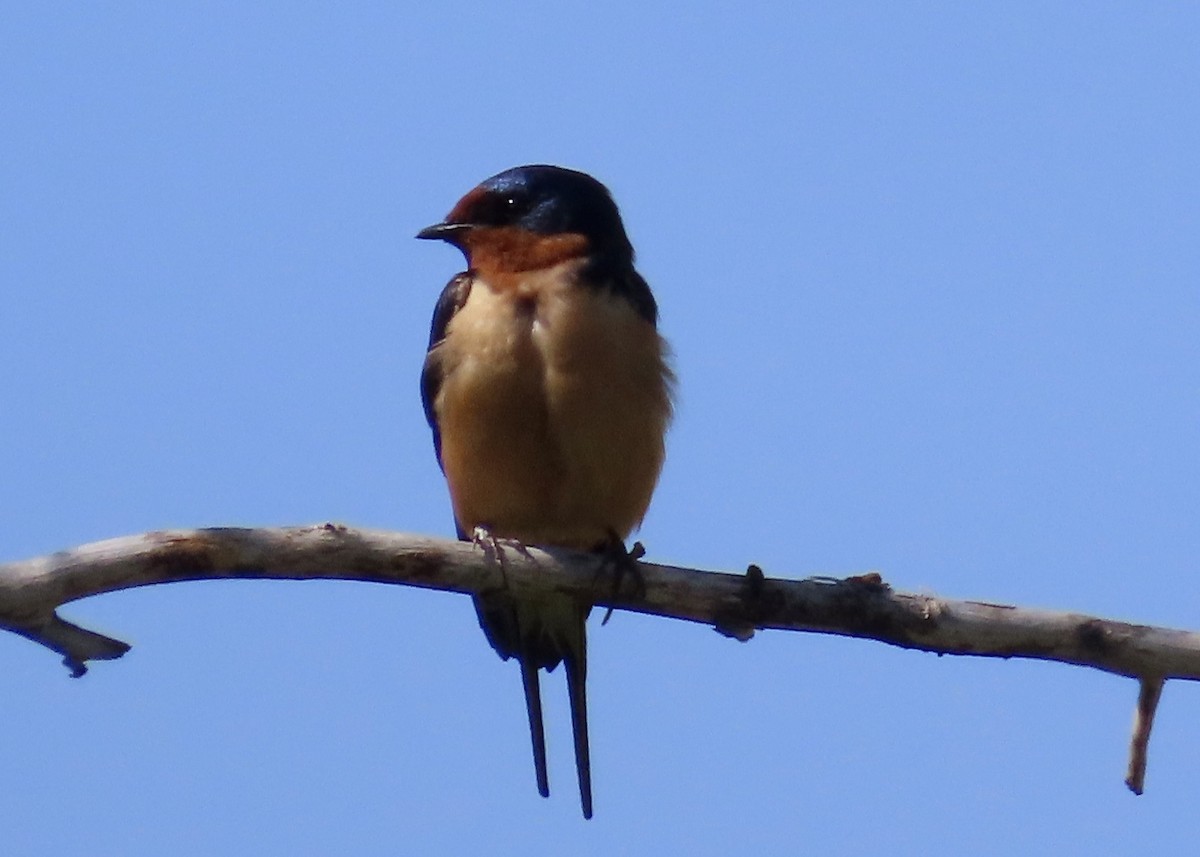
(932, 277)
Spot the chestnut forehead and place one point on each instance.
(465, 206)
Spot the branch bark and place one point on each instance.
(737, 605)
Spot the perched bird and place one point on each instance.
(548, 391)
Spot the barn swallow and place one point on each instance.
(548, 390)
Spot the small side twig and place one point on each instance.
(1149, 692)
(76, 645)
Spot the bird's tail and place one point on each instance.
(575, 665)
(537, 730)
(541, 634)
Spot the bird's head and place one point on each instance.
(534, 217)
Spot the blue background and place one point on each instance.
(930, 271)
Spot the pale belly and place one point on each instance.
(553, 407)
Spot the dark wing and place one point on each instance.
(450, 302)
(634, 288)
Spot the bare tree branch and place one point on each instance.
(735, 604)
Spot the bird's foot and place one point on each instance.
(623, 563)
(494, 547)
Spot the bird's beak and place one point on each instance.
(451, 232)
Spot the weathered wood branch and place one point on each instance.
(31, 591)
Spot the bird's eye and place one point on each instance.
(501, 208)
